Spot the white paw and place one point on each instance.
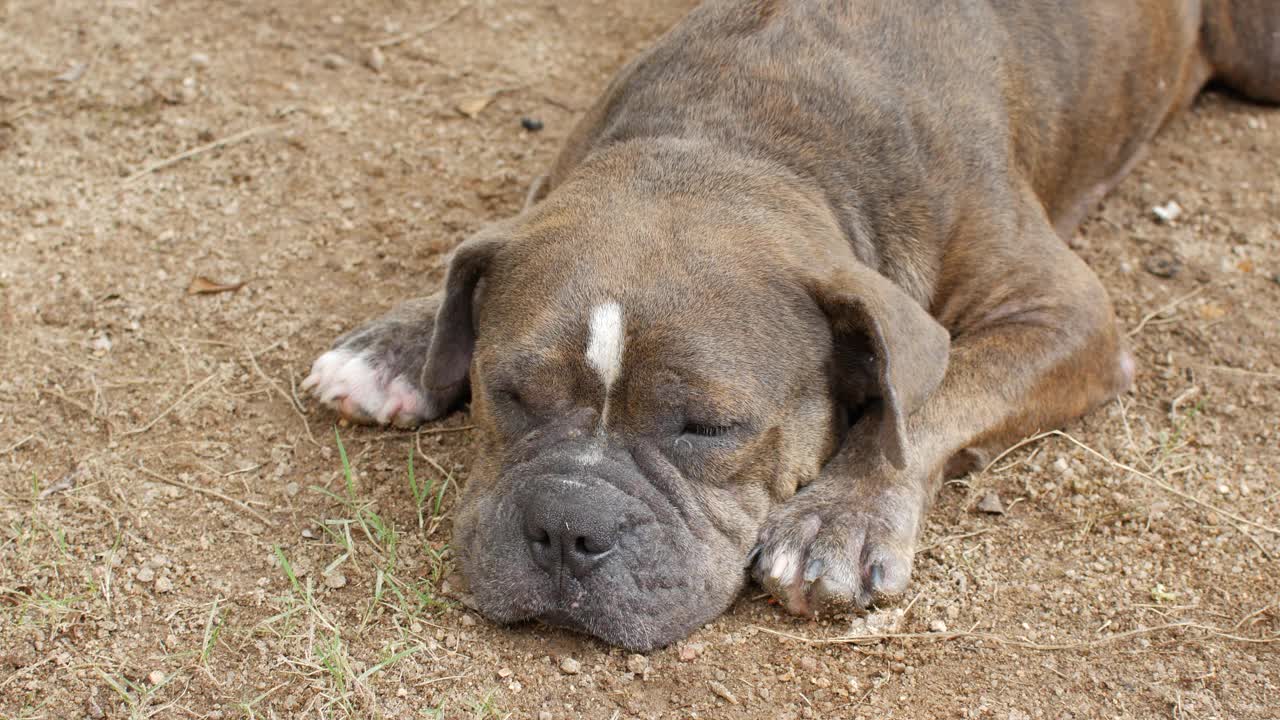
(351, 385)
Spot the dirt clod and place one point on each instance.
(1162, 263)
(569, 666)
(637, 664)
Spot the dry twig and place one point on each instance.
(1014, 642)
(1164, 309)
(207, 147)
(290, 401)
(205, 491)
(171, 408)
(397, 39)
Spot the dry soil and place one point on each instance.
(178, 538)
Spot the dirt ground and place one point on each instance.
(177, 535)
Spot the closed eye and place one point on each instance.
(707, 430)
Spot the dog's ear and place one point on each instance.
(883, 334)
(454, 338)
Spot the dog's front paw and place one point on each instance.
(354, 385)
(827, 551)
(374, 373)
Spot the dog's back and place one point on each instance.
(1065, 92)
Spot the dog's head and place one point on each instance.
(652, 367)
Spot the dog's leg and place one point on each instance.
(373, 374)
(1034, 345)
(1242, 40)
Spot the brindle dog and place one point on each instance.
(803, 259)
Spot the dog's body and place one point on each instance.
(803, 259)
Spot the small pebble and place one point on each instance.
(333, 61)
(723, 692)
(531, 124)
(991, 504)
(292, 489)
(937, 626)
(691, 651)
(468, 621)
(146, 574)
(1168, 212)
(808, 664)
(164, 585)
(200, 60)
(375, 60)
(504, 672)
(545, 715)
(569, 666)
(335, 580)
(155, 677)
(306, 533)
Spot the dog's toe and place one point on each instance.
(824, 557)
(354, 386)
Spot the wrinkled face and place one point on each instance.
(645, 401)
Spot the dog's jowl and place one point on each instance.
(801, 260)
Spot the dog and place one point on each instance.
(802, 260)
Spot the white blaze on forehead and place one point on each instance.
(604, 344)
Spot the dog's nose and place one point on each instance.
(567, 528)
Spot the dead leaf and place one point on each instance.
(1245, 266)
(473, 106)
(201, 285)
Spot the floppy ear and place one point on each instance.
(454, 338)
(902, 349)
